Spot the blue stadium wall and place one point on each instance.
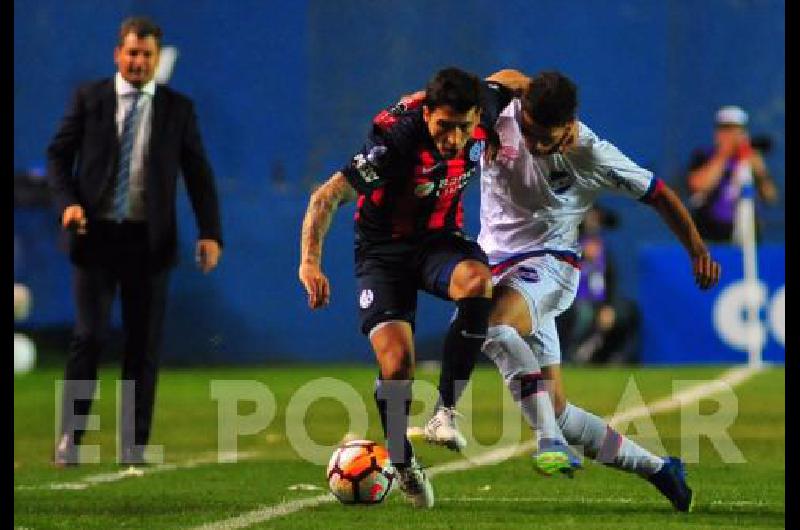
(284, 92)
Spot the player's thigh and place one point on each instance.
(393, 343)
(510, 307)
(546, 285)
(450, 267)
(386, 292)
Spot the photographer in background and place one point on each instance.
(713, 187)
(600, 326)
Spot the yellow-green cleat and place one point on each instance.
(554, 457)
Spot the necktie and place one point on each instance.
(129, 129)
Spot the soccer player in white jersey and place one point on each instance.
(548, 170)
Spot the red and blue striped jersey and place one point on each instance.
(405, 188)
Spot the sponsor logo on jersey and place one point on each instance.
(509, 151)
(451, 186)
(507, 154)
(424, 189)
(427, 170)
(366, 298)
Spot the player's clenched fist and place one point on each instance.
(316, 284)
(706, 271)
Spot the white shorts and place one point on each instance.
(549, 286)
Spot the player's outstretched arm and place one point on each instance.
(671, 209)
(319, 214)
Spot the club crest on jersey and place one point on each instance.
(424, 189)
(476, 150)
(559, 180)
(366, 298)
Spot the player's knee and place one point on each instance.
(480, 285)
(396, 364)
(499, 347)
(397, 372)
(496, 337)
(474, 281)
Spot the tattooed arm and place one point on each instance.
(321, 207)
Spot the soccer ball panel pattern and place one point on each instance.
(359, 473)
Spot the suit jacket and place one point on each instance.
(82, 161)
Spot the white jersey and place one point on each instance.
(536, 203)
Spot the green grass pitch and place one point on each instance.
(191, 489)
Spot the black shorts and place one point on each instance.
(388, 274)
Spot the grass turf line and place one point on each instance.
(729, 496)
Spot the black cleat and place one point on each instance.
(671, 482)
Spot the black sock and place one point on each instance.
(461, 347)
(386, 394)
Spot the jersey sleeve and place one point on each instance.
(615, 171)
(382, 156)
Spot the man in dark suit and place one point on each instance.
(113, 166)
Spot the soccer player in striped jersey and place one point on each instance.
(548, 170)
(408, 181)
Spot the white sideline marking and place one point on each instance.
(132, 472)
(266, 513)
(732, 377)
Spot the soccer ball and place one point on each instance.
(359, 472)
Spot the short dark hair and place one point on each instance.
(142, 27)
(552, 99)
(454, 87)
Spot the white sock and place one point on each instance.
(602, 443)
(523, 376)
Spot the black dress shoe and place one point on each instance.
(66, 453)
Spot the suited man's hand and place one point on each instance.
(207, 254)
(73, 218)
